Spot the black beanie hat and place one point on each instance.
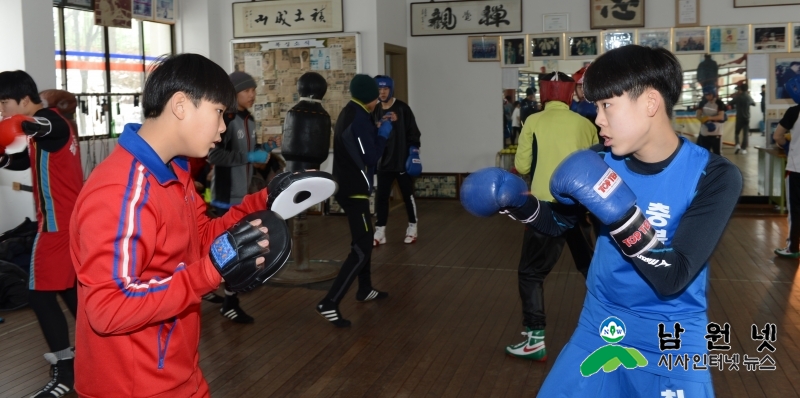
(242, 81)
(364, 88)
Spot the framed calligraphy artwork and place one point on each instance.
(286, 17)
(466, 17)
(607, 14)
(763, 3)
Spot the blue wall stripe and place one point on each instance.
(101, 55)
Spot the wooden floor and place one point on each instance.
(453, 306)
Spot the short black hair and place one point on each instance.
(744, 87)
(195, 75)
(633, 69)
(17, 85)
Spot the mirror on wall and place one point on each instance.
(731, 72)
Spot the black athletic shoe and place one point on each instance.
(212, 297)
(371, 295)
(330, 312)
(63, 378)
(232, 311)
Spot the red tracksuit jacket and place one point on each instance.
(139, 244)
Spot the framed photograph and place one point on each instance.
(764, 3)
(770, 38)
(583, 45)
(286, 17)
(687, 13)
(608, 14)
(654, 38)
(513, 51)
(555, 22)
(465, 17)
(483, 48)
(728, 39)
(549, 46)
(689, 40)
(618, 38)
(143, 10)
(795, 37)
(165, 11)
(782, 68)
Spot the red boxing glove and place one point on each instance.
(16, 125)
(11, 128)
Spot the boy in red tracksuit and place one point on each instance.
(140, 241)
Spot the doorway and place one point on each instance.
(394, 58)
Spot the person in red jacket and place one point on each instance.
(54, 159)
(143, 248)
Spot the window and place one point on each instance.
(105, 67)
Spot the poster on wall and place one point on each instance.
(287, 17)
(143, 10)
(547, 46)
(113, 13)
(604, 14)
(618, 38)
(483, 48)
(728, 39)
(165, 11)
(466, 17)
(276, 64)
(689, 40)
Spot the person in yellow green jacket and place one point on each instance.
(546, 139)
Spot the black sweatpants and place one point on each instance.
(540, 253)
(51, 318)
(357, 262)
(743, 125)
(406, 184)
(710, 142)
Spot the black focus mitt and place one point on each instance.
(234, 253)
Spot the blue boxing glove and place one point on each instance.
(385, 129)
(711, 126)
(257, 156)
(584, 177)
(270, 146)
(491, 190)
(413, 162)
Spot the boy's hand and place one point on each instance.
(252, 250)
(257, 156)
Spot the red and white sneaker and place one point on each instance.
(532, 348)
(380, 236)
(411, 233)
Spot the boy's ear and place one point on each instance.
(654, 102)
(177, 104)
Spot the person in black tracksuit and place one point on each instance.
(357, 146)
(392, 166)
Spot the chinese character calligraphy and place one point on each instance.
(617, 13)
(491, 17)
(286, 17)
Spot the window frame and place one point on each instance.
(108, 94)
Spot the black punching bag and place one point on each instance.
(307, 127)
